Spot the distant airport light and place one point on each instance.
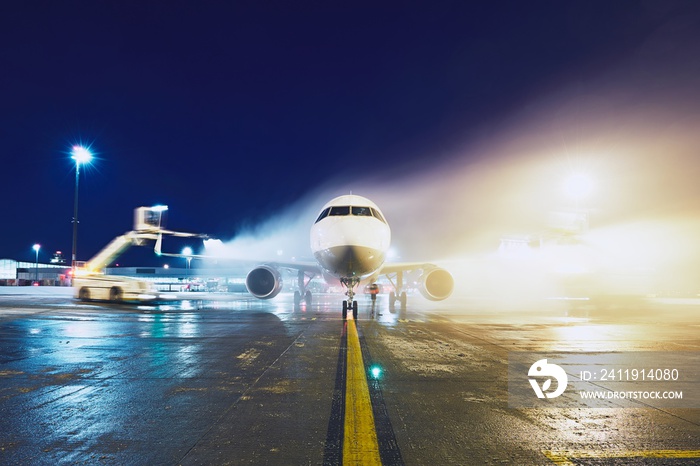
(188, 252)
(214, 245)
(36, 248)
(578, 186)
(392, 254)
(81, 155)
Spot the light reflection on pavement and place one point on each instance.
(242, 381)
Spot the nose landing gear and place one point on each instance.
(350, 304)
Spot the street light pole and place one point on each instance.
(75, 216)
(80, 155)
(187, 252)
(36, 248)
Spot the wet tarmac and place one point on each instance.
(241, 381)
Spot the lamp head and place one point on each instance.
(81, 155)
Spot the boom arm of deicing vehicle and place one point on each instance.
(147, 227)
(159, 245)
(115, 248)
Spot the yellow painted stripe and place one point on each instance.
(566, 457)
(360, 444)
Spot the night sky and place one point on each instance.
(232, 112)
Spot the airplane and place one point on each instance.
(350, 240)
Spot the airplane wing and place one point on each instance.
(306, 267)
(405, 267)
(435, 283)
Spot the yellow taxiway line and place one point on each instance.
(360, 445)
(566, 457)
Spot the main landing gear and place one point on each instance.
(400, 297)
(298, 298)
(397, 281)
(303, 293)
(350, 304)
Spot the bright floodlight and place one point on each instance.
(36, 247)
(159, 208)
(578, 186)
(213, 244)
(81, 155)
(187, 251)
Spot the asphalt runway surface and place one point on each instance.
(241, 381)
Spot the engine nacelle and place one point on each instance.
(264, 282)
(436, 284)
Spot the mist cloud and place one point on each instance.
(633, 128)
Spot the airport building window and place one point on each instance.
(8, 269)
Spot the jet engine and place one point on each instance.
(436, 284)
(264, 282)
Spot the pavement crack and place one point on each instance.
(244, 396)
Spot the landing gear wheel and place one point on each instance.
(297, 299)
(392, 300)
(345, 310)
(354, 310)
(307, 298)
(402, 300)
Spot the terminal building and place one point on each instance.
(17, 273)
(230, 278)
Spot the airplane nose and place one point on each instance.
(350, 260)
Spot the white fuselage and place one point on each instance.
(351, 238)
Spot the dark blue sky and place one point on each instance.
(230, 111)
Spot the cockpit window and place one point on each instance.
(376, 214)
(340, 211)
(362, 211)
(343, 211)
(323, 215)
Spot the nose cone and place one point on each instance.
(350, 261)
(350, 246)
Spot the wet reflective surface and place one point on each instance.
(242, 381)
